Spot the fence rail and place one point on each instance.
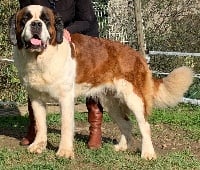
(174, 53)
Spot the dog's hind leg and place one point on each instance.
(118, 112)
(136, 105)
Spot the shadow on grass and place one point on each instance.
(78, 137)
(15, 126)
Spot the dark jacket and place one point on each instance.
(78, 15)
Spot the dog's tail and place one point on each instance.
(170, 90)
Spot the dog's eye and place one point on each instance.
(25, 18)
(45, 18)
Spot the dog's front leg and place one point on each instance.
(67, 126)
(40, 142)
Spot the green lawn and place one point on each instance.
(181, 124)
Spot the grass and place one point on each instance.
(183, 117)
(186, 117)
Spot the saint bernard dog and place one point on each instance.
(50, 67)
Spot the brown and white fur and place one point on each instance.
(51, 67)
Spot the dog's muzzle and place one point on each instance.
(36, 42)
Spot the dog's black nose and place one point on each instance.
(36, 26)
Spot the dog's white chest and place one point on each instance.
(35, 72)
(51, 73)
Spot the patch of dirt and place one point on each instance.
(165, 138)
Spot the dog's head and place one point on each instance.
(34, 27)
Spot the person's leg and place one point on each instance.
(95, 115)
(31, 133)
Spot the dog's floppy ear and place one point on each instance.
(59, 26)
(12, 30)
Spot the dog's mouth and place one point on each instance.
(35, 43)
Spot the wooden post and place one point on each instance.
(139, 27)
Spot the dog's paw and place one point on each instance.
(149, 156)
(37, 147)
(65, 153)
(119, 147)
